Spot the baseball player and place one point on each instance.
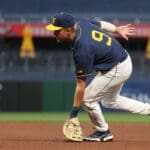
(96, 52)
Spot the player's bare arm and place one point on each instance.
(79, 92)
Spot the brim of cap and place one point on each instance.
(53, 28)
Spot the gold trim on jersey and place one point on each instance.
(85, 75)
(77, 39)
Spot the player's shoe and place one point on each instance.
(98, 136)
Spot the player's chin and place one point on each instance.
(59, 40)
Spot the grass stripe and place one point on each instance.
(61, 116)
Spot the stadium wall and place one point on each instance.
(20, 96)
(83, 6)
(51, 96)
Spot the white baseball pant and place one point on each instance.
(105, 88)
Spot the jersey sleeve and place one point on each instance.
(83, 65)
(97, 23)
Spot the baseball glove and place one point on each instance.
(72, 130)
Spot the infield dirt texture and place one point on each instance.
(48, 136)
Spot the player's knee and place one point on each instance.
(88, 106)
(85, 105)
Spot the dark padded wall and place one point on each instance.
(20, 96)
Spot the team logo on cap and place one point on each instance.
(53, 20)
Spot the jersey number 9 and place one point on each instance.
(99, 36)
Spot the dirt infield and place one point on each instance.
(48, 136)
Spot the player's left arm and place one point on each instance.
(124, 31)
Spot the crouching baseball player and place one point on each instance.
(94, 49)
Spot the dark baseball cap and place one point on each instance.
(61, 21)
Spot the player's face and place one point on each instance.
(62, 35)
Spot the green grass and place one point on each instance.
(61, 116)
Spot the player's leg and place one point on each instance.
(97, 90)
(96, 116)
(106, 88)
(133, 106)
(102, 132)
(92, 107)
(117, 101)
(113, 99)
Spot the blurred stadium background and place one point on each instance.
(44, 81)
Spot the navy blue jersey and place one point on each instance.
(95, 49)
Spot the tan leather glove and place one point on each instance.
(72, 130)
